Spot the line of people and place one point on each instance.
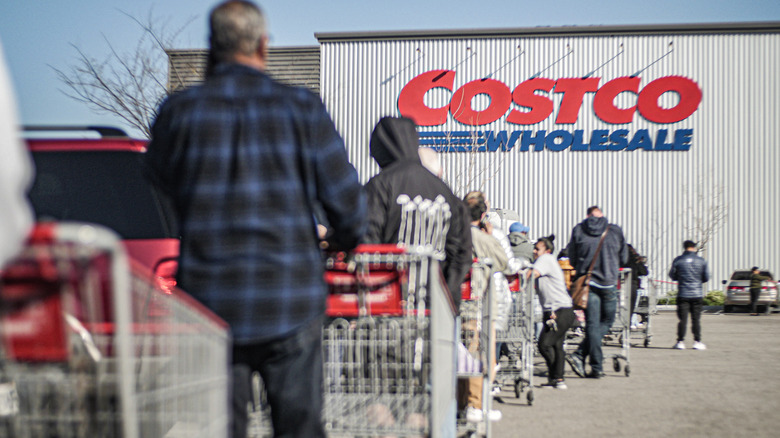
(253, 167)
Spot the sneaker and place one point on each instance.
(576, 364)
(496, 390)
(699, 346)
(679, 345)
(473, 415)
(561, 385)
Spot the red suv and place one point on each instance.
(101, 180)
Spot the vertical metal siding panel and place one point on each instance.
(653, 195)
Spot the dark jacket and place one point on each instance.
(582, 246)
(394, 145)
(638, 268)
(757, 279)
(689, 270)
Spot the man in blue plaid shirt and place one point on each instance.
(246, 162)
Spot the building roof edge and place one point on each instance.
(549, 31)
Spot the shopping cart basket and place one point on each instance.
(618, 340)
(391, 322)
(518, 368)
(92, 346)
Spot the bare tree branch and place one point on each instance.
(128, 85)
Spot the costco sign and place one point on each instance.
(533, 104)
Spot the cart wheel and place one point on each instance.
(530, 397)
(616, 365)
(628, 370)
(647, 342)
(518, 388)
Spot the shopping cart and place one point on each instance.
(647, 307)
(619, 336)
(92, 346)
(478, 339)
(517, 370)
(390, 323)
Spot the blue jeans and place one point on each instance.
(599, 316)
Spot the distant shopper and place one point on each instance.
(558, 314)
(521, 245)
(690, 271)
(638, 268)
(484, 246)
(245, 160)
(755, 288)
(602, 299)
(15, 174)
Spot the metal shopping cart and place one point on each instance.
(647, 307)
(92, 345)
(517, 369)
(619, 335)
(389, 345)
(478, 339)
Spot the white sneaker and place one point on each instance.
(474, 415)
(496, 390)
(679, 345)
(699, 346)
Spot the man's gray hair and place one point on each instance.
(237, 27)
(430, 159)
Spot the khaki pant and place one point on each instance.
(470, 388)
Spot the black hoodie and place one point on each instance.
(582, 246)
(394, 146)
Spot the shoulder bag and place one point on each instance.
(581, 287)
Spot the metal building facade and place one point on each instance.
(725, 186)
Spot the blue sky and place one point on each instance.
(37, 34)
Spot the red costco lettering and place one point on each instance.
(538, 107)
(410, 101)
(690, 97)
(541, 107)
(574, 91)
(604, 100)
(500, 99)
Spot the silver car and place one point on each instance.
(738, 291)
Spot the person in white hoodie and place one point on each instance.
(16, 171)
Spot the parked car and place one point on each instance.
(738, 291)
(101, 180)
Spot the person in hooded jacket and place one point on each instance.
(394, 146)
(602, 299)
(522, 247)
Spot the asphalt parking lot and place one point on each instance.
(731, 389)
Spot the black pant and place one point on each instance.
(692, 306)
(291, 369)
(754, 293)
(551, 342)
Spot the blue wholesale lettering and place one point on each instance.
(599, 140)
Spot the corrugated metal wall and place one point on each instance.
(659, 198)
